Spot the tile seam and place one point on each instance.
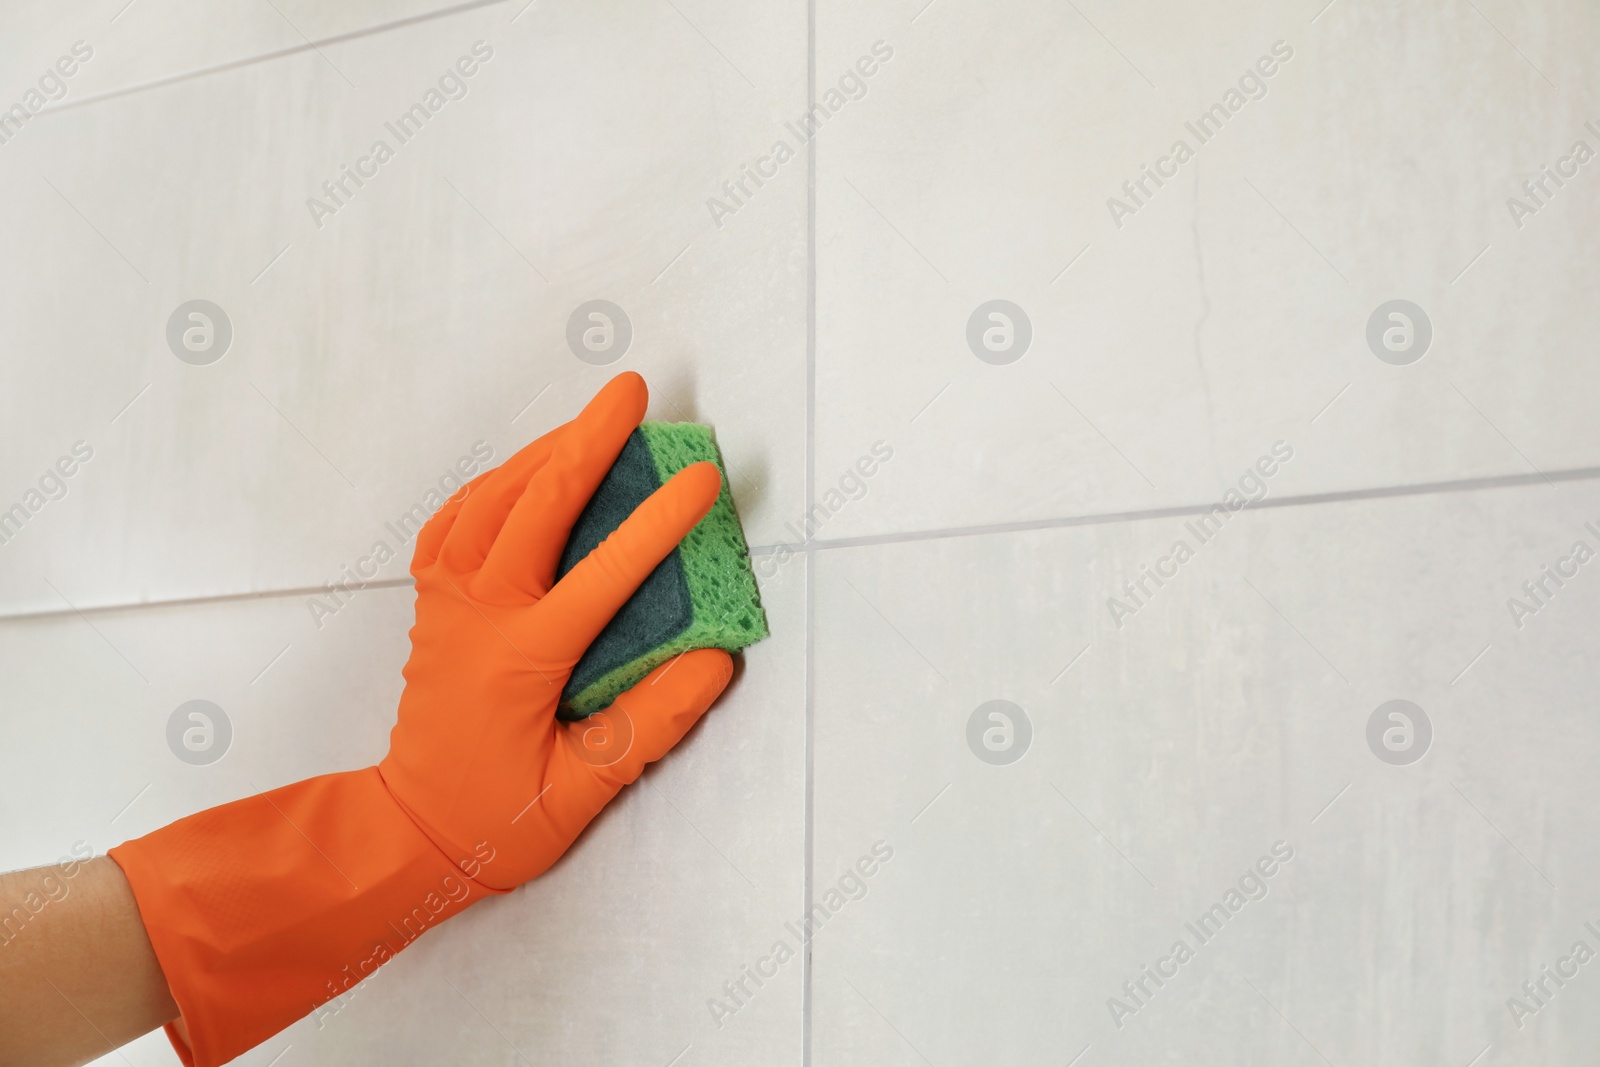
(267, 57)
(1471, 485)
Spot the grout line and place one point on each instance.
(197, 601)
(807, 976)
(1506, 481)
(267, 57)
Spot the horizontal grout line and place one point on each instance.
(193, 601)
(1503, 481)
(267, 57)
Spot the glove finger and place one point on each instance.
(581, 603)
(521, 564)
(431, 537)
(467, 540)
(643, 724)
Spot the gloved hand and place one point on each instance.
(265, 908)
(477, 739)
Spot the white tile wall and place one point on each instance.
(1168, 754)
(427, 314)
(821, 325)
(130, 45)
(1231, 309)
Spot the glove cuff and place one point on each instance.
(264, 909)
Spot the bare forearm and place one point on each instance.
(77, 974)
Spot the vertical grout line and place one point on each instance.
(810, 809)
(811, 428)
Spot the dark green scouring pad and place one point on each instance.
(703, 595)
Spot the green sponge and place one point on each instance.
(703, 595)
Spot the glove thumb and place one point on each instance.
(648, 720)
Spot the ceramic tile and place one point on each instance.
(427, 313)
(1228, 715)
(1228, 307)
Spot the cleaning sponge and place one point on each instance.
(703, 595)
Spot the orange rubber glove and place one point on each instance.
(263, 909)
